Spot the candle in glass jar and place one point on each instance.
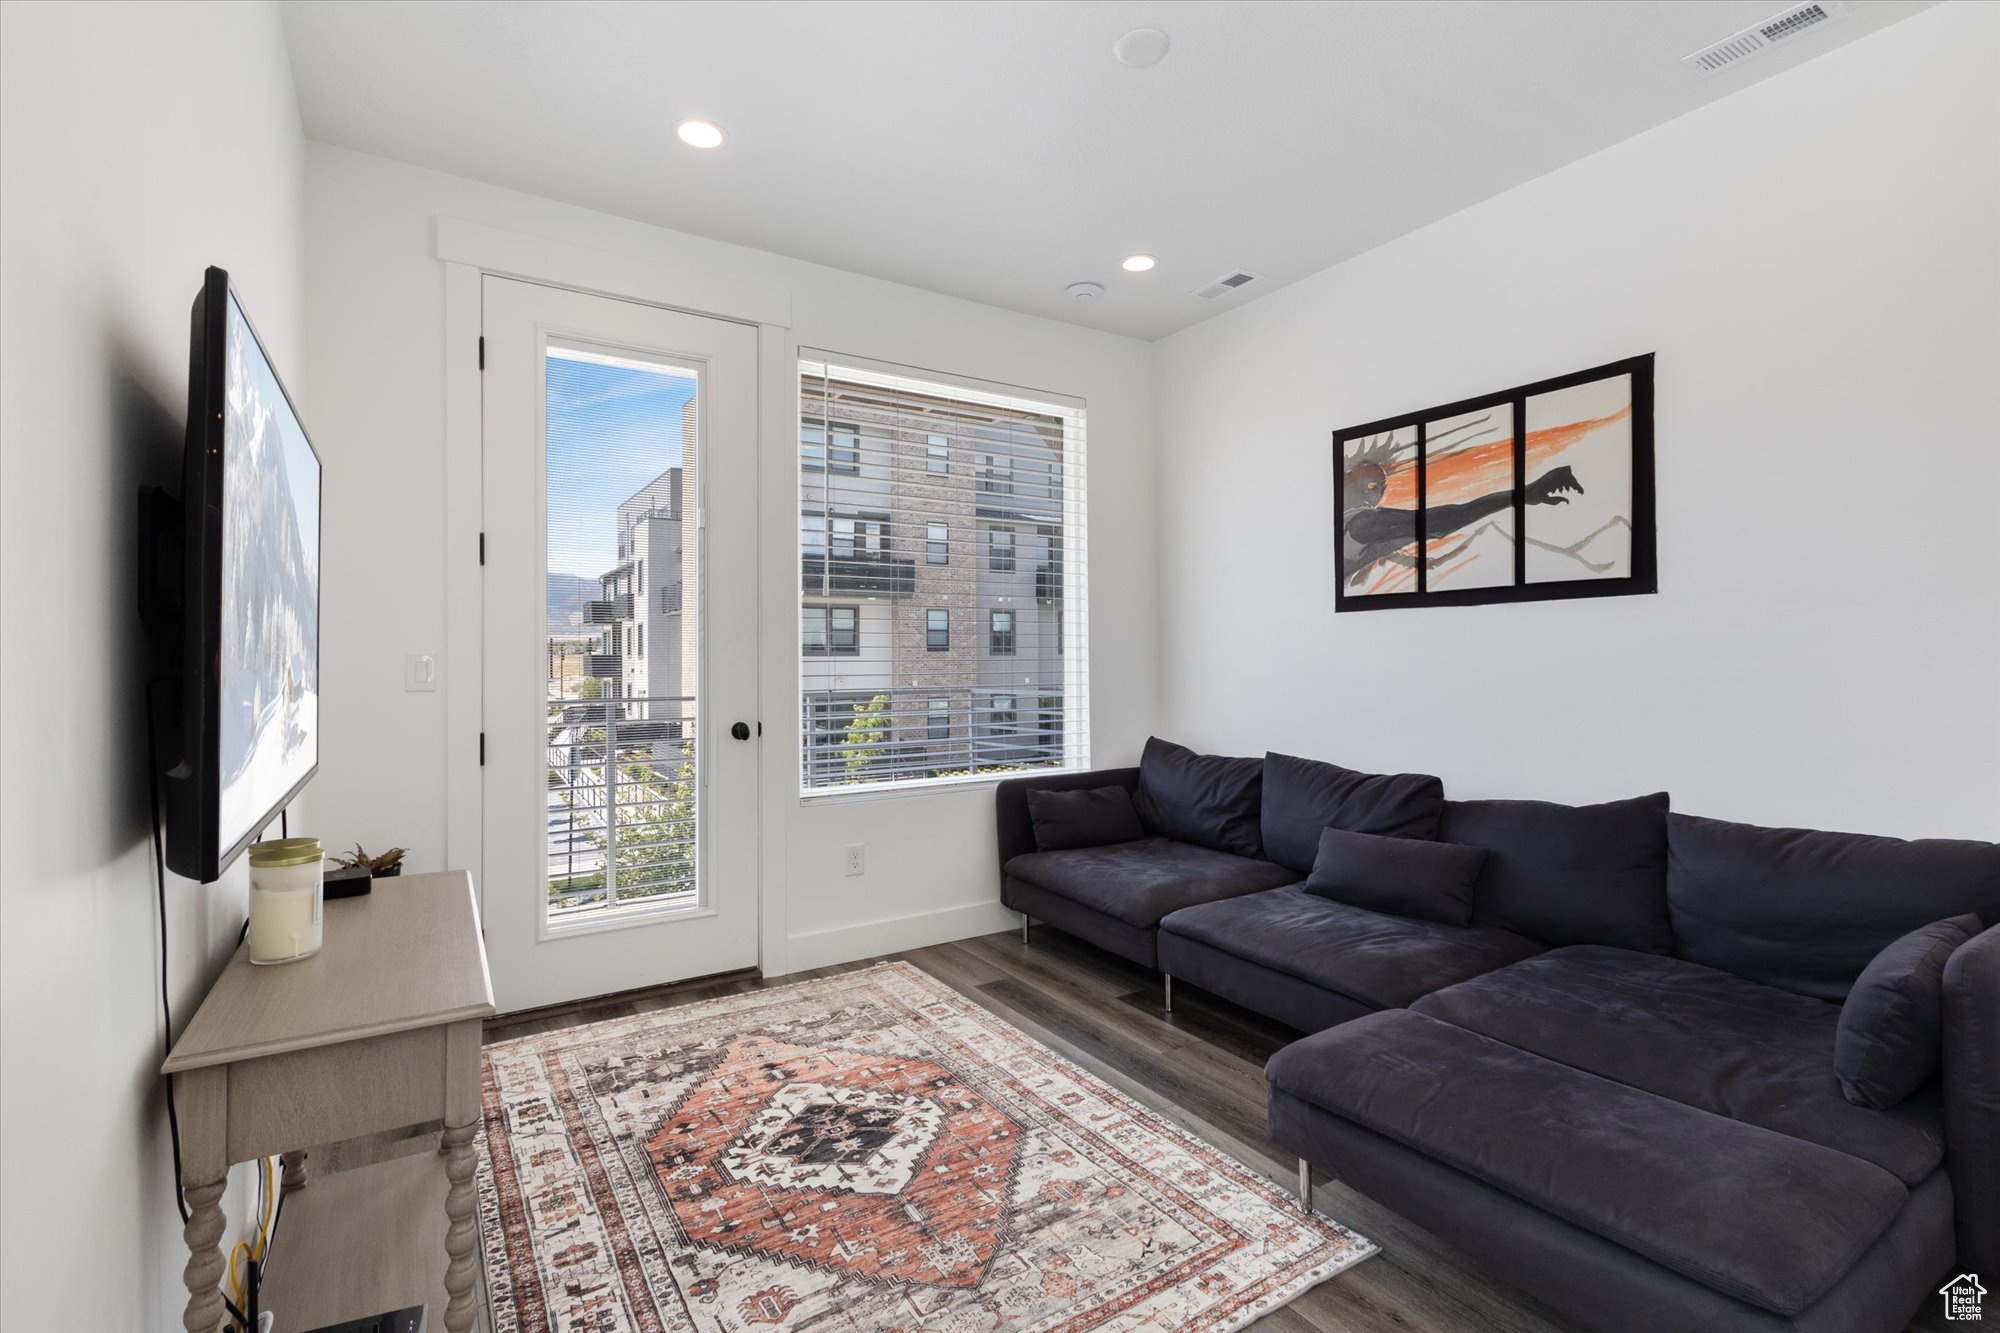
(286, 893)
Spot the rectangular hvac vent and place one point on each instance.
(1758, 36)
(1227, 283)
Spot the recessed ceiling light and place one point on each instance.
(1140, 47)
(698, 133)
(1138, 263)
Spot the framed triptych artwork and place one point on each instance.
(1534, 493)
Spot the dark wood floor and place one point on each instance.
(1202, 1067)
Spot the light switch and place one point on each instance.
(420, 672)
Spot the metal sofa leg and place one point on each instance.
(1026, 921)
(1305, 1185)
(1170, 990)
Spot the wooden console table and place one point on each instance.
(379, 1032)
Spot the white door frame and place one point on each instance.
(468, 251)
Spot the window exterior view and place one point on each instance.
(941, 578)
(623, 651)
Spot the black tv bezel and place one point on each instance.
(194, 800)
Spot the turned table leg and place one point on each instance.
(203, 1274)
(458, 1240)
(295, 1171)
(204, 1115)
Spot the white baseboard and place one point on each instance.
(845, 944)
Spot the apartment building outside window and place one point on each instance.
(889, 695)
(1000, 633)
(1000, 550)
(824, 445)
(830, 629)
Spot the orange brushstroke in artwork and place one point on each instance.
(1481, 469)
(1392, 582)
(1438, 576)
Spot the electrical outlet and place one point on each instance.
(857, 858)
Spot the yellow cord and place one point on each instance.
(236, 1283)
(268, 1180)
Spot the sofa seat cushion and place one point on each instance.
(1140, 882)
(1383, 961)
(1713, 1041)
(1764, 1217)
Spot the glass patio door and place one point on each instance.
(620, 634)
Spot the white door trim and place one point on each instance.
(468, 251)
(464, 604)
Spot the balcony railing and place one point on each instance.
(609, 612)
(866, 575)
(905, 733)
(622, 806)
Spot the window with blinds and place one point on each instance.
(942, 578)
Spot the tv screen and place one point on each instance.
(269, 685)
(245, 614)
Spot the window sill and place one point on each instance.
(886, 791)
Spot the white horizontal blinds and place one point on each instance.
(942, 578)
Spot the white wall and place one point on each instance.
(375, 345)
(138, 145)
(1814, 261)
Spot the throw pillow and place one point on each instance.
(1891, 1034)
(1413, 877)
(1089, 817)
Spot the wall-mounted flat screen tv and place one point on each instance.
(248, 726)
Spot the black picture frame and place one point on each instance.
(1644, 576)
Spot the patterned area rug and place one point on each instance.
(867, 1153)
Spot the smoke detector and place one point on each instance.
(1234, 281)
(1761, 36)
(1084, 291)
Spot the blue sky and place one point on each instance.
(613, 427)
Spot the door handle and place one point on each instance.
(741, 731)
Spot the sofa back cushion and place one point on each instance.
(1209, 800)
(1304, 796)
(1571, 874)
(1807, 911)
(1092, 817)
(1416, 877)
(1891, 1032)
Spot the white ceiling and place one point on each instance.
(997, 151)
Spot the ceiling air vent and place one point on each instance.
(1758, 36)
(1227, 283)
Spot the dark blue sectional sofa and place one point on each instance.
(1664, 1072)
